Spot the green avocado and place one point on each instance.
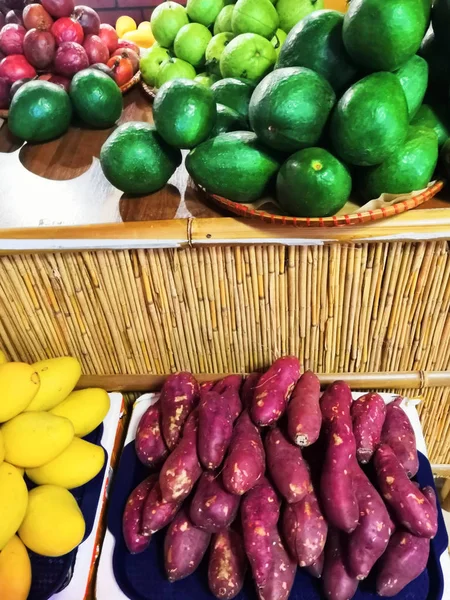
(408, 169)
(370, 121)
(228, 120)
(136, 160)
(234, 165)
(233, 93)
(436, 117)
(316, 43)
(96, 98)
(39, 111)
(290, 108)
(381, 35)
(413, 76)
(184, 112)
(313, 183)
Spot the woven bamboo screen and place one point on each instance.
(340, 307)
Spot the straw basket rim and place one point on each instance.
(149, 90)
(358, 218)
(124, 88)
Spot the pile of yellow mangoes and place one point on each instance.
(141, 34)
(42, 421)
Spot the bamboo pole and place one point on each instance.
(357, 381)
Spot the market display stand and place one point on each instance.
(163, 283)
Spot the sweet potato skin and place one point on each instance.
(248, 389)
(157, 513)
(212, 507)
(371, 537)
(260, 511)
(305, 530)
(227, 564)
(182, 468)
(406, 557)
(338, 583)
(316, 568)
(368, 415)
(336, 403)
(184, 547)
(149, 443)
(303, 411)
(229, 388)
(273, 391)
(282, 574)
(135, 541)
(215, 428)
(287, 468)
(245, 463)
(411, 508)
(179, 396)
(399, 435)
(336, 485)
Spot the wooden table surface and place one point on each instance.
(60, 183)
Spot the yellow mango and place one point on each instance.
(85, 408)
(21, 470)
(141, 37)
(13, 503)
(34, 439)
(58, 378)
(145, 25)
(3, 358)
(78, 464)
(15, 571)
(53, 524)
(19, 385)
(2, 448)
(124, 24)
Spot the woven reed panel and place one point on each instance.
(362, 307)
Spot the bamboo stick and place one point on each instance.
(357, 381)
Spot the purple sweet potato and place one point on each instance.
(286, 466)
(303, 412)
(316, 568)
(336, 403)
(184, 547)
(248, 389)
(274, 390)
(338, 583)
(151, 449)
(405, 559)
(399, 435)
(245, 463)
(227, 564)
(207, 386)
(215, 428)
(229, 388)
(182, 468)
(430, 495)
(305, 530)
(132, 517)
(212, 507)
(411, 508)
(371, 537)
(179, 397)
(157, 512)
(282, 573)
(260, 511)
(368, 415)
(336, 485)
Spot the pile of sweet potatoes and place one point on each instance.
(267, 476)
